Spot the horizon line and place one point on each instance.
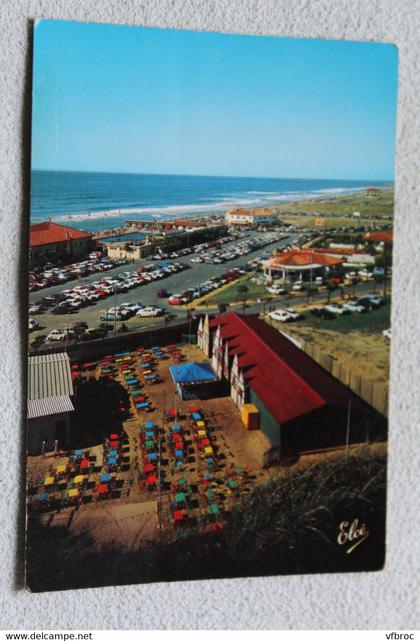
(147, 173)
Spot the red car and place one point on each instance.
(178, 300)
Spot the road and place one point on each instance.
(298, 298)
(146, 294)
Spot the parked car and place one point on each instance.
(370, 301)
(387, 333)
(33, 324)
(298, 286)
(378, 272)
(134, 307)
(294, 314)
(59, 335)
(95, 332)
(276, 290)
(337, 309)
(79, 327)
(149, 312)
(177, 299)
(111, 317)
(354, 306)
(34, 308)
(365, 275)
(281, 315)
(321, 312)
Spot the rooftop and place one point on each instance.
(304, 257)
(339, 251)
(190, 373)
(299, 385)
(249, 212)
(49, 406)
(47, 233)
(380, 236)
(49, 376)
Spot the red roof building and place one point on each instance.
(302, 405)
(304, 258)
(300, 261)
(380, 236)
(50, 242)
(48, 233)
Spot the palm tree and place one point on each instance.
(243, 289)
(355, 282)
(331, 287)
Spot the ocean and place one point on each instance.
(99, 201)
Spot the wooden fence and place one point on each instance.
(376, 394)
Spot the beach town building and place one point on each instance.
(350, 256)
(298, 263)
(386, 236)
(50, 392)
(129, 252)
(182, 224)
(49, 241)
(248, 217)
(297, 404)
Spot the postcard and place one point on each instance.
(210, 285)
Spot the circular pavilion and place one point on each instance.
(297, 263)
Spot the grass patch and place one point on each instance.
(373, 322)
(377, 207)
(355, 340)
(232, 293)
(328, 223)
(285, 526)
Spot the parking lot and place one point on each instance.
(189, 278)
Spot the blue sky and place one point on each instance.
(132, 99)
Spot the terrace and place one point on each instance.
(167, 464)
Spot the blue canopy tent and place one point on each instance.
(189, 374)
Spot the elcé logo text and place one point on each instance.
(353, 533)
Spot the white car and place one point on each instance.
(281, 315)
(276, 290)
(353, 306)
(149, 311)
(56, 335)
(34, 308)
(134, 307)
(364, 274)
(387, 333)
(108, 317)
(33, 324)
(294, 314)
(298, 286)
(334, 309)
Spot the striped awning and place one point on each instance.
(49, 406)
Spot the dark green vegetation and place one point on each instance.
(286, 526)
